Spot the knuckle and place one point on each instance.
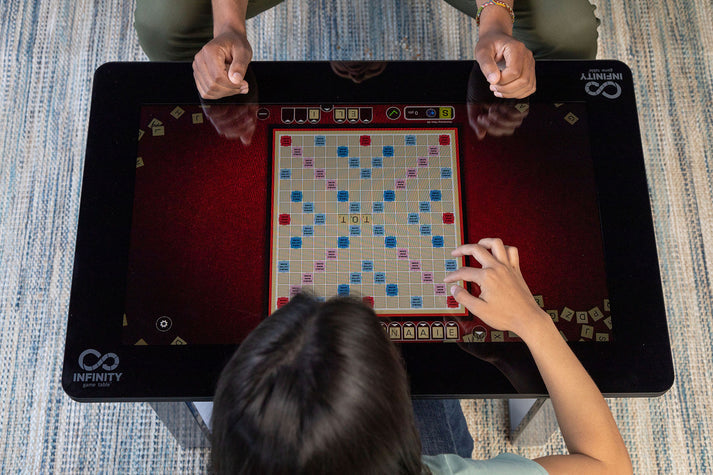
(481, 55)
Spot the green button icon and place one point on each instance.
(393, 113)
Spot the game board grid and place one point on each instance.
(393, 214)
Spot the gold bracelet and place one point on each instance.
(494, 2)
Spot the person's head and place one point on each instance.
(315, 388)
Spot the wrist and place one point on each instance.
(535, 327)
(229, 16)
(233, 27)
(495, 19)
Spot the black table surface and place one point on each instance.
(99, 366)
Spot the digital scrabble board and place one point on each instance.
(387, 217)
(199, 219)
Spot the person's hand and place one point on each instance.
(496, 120)
(219, 67)
(517, 78)
(506, 63)
(505, 302)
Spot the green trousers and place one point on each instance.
(175, 30)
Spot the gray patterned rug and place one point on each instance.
(48, 52)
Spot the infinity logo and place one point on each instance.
(100, 360)
(601, 89)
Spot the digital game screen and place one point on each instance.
(239, 207)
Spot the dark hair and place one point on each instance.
(315, 388)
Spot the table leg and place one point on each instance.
(185, 422)
(532, 421)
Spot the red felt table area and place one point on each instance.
(199, 250)
(536, 190)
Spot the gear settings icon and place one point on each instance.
(163, 324)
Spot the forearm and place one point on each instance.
(585, 420)
(229, 15)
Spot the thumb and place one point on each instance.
(463, 297)
(489, 68)
(236, 72)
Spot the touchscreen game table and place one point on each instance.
(200, 218)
